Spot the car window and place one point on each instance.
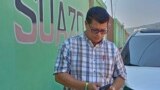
(151, 55)
(143, 50)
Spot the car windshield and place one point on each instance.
(142, 50)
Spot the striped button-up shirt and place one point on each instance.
(85, 62)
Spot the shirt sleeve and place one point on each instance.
(120, 69)
(62, 61)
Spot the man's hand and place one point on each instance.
(93, 86)
(112, 88)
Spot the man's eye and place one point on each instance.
(102, 30)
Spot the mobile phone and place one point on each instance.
(106, 87)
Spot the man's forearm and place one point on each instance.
(68, 81)
(118, 83)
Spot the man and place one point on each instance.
(87, 61)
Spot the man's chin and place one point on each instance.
(97, 41)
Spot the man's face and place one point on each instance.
(96, 31)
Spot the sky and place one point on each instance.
(133, 13)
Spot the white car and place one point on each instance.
(141, 56)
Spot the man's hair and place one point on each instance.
(97, 13)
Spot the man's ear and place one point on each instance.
(85, 22)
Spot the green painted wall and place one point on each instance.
(119, 34)
(30, 34)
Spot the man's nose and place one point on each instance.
(99, 34)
